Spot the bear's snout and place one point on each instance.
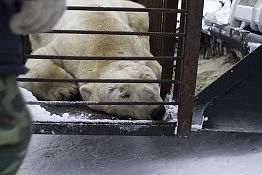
(158, 113)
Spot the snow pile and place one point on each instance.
(39, 113)
(171, 110)
(252, 46)
(36, 111)
(171, 113)
(215, 12)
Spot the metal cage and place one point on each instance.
(168, 42)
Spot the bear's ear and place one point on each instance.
(86, 91)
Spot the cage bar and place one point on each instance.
(99, 57)
(165, 10)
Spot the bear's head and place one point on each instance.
(126, 92)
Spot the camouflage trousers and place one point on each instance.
(15, 126)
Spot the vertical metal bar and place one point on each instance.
(180, 51)
(163, 46)
(168, 45)
(26, 45)
(190, 63)
(155, 24)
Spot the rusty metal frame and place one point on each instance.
(188, 69)
(163, 40)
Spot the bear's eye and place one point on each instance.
(111, 89)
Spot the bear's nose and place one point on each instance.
(158, 113)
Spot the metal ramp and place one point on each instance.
(232, 103)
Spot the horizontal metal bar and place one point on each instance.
(82, 103)
(95, 80)
(101, 127)
(167, 34)
(99, 57)
(124, 9)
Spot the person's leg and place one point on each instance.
(15, 126)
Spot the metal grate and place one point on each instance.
(168, 44)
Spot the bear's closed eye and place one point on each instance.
(111, 89)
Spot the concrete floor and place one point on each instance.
(204, 153)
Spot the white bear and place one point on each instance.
(98, 45)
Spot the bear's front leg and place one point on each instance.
(49, 90)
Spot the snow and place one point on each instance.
(213, 11)
(65, 115)
(171, 110)
(252, 46)
(39, 113)
(36, 110)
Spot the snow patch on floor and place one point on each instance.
(36, 111)
(39, 113)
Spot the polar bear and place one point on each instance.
(98, 45)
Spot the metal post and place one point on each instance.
(160, 45)
(155, 24)
(189, 64)
(168, 45)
